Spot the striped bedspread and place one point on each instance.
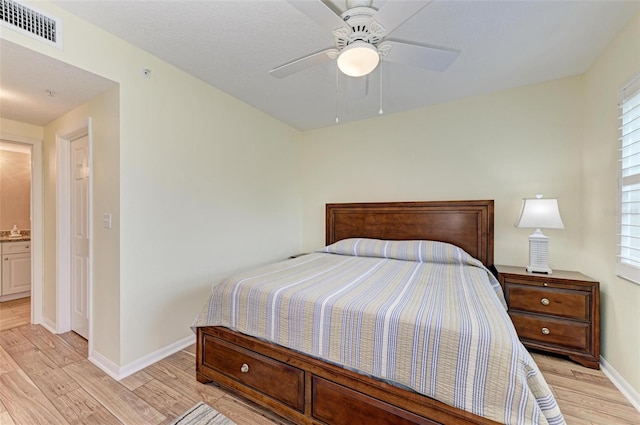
(423, 315)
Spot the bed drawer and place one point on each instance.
(270, 377)
(338, 405)
(548, 331)
(550, 301)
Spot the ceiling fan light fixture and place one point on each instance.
(358, 59)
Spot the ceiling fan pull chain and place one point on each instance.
(337, 119)
(380, 112)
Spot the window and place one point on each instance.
(628, 265)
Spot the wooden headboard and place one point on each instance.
(467, 224)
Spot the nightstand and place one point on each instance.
(558, 313)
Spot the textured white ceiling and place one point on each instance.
(232, 44)
(27, 77)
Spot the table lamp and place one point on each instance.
(538, 213)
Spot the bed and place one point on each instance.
(286, 355)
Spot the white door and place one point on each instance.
(80, 236)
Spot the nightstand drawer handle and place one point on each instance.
(244, 368)
(546, 331)
(545, 301)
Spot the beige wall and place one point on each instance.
(203, 185)
(105, 243)
(213, 190)
(15, 190)
(20, 129)
(503, 146)
(620, 330)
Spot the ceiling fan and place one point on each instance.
(359, 35)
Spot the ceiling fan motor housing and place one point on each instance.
(363, 28)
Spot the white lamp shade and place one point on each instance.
(538, 213)
(358, 59)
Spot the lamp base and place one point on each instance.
(538, 253)
(538, 269)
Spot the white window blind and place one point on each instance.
(628, 265)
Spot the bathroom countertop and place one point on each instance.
(23, 238)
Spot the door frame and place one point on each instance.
(63, 225)
(37, 221)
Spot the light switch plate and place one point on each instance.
(106, 220)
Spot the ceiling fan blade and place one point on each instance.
(393, 13)
(303, 63)
(432, 58)
(320, 13)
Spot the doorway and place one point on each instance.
(34, 146)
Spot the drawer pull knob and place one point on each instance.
(244, 368)
(546, 331)
(545, 284)
(545, 301)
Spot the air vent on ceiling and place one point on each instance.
(31, 21)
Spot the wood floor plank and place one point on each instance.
(25, 402)
(593, 414)
(593, 391)
(79, 408)
(6, 419)
(12, 322)
(32, 360)
(136, 380)
(7, 364)
(51, 345)
(572, 420)
(54, 382)
(182, 360)
(599, 379)
(164, 399)
(122, 403)
(570, 370)
(77, 342)
(184, 382)
(611, 408)
(15, 313)
(243, 413)
(12, 340)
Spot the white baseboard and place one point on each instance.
(627, 390)
(15, 296)
(119, 373)
(48, 325)
(106, 365)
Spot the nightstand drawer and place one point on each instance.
(550, 301)
(564, 333)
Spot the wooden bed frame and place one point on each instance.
(306, 390)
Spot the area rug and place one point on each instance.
(202, 414)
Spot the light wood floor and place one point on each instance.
(47, 379)
(15, 313)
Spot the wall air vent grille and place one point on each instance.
(32, 22)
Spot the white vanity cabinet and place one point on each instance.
(16, 270)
